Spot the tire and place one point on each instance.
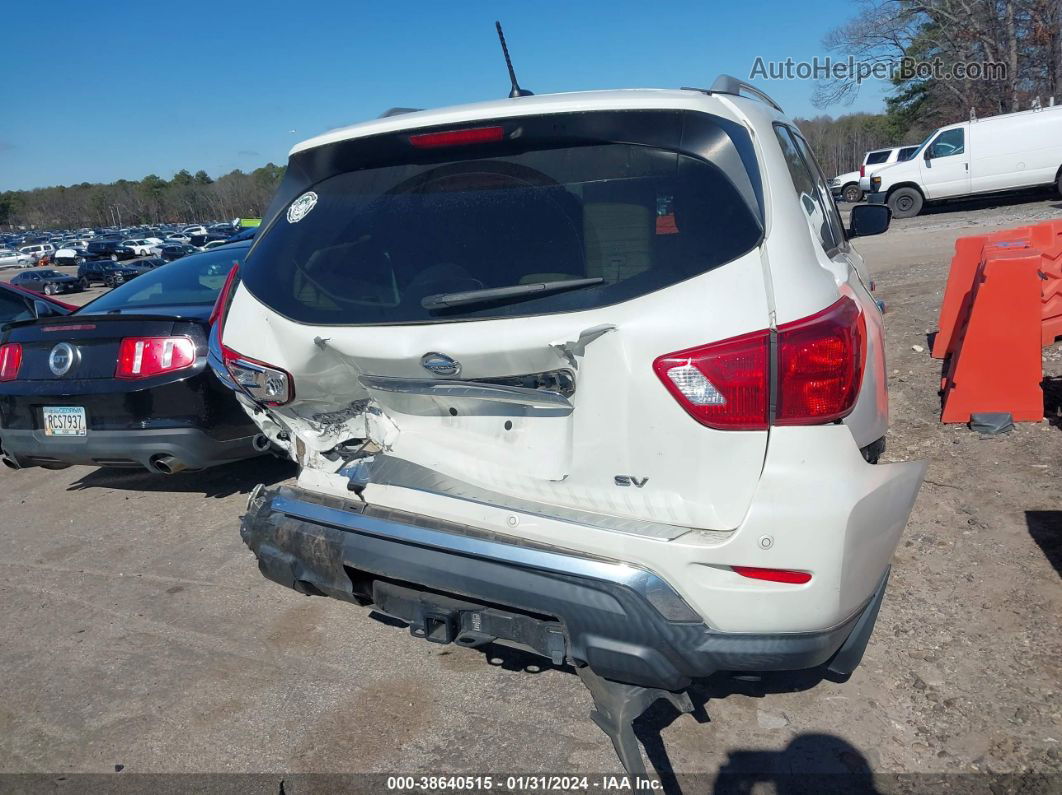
(851, 193)
(905, 203)
(49, 289)
(79, 261)
(85, 283)
(1058, 182)
(114, 257)
(117, 280)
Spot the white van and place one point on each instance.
(1000, 153)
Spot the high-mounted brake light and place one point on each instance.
(473, 135)
(774, 575)
(10, 361)
(819, 367)
(143, 357)
(269, 385)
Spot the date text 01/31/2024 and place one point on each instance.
(522, 783)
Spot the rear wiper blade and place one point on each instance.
(492, 294)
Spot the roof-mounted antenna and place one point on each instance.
(516, 90)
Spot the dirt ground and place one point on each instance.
(138, 635)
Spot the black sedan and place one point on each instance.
(45, 281)
(172, 251)
(108, 249)
(147, 264)
(124, 381)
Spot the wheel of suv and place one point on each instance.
(85, 283)
(852, 193)
(905, 203)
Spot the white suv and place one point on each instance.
(595, 373)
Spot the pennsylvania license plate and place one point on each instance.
(65, 421)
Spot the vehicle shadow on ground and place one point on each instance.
(811, 763)
(239, 477)
(744, 768)
(990, 202)
(1045, 527)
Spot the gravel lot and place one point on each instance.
(139, 635)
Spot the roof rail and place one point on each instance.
(728, 84)
(397, 112)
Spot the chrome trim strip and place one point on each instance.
(475, 390)
(649, 585)
(386, 470)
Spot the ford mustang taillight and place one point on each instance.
(817, 370)
(265, 383)
(10, 361)
(144, 357)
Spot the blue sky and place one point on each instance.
(122, 89)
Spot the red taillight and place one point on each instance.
(474, 135)
(773, 575)
(10, 361)
(862, 171)
(143, 357)
(267, 384)
(726, 385)
(722, 385)
(222, 302)
(820, 365)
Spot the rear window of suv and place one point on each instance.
(376, 243)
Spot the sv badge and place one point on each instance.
(630, 480)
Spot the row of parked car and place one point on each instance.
(528, 357)
(88, 245)
(997, 154)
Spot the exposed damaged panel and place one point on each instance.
(387, 470)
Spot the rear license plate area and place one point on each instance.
(64, 421)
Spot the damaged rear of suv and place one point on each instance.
(594, 374)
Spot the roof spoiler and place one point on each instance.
(728, 84)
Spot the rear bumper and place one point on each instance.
(455, 583)
(192, 447)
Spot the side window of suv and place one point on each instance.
(812, 189)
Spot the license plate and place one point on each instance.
(65, 421)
